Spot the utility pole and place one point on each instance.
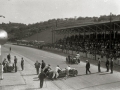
(53, 32)
(110, 34)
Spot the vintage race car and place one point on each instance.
(8, 67)
(63, 73)
(71, 59)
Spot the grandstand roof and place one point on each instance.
(93, 26)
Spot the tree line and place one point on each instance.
(20, 30)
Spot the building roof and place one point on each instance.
(107, 24)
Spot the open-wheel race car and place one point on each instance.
(9, 67)
(73, 59)
(72, 72)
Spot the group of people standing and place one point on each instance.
(5, 63)
(108, 64)
(45, 68)
(42, 75)
(39, 65)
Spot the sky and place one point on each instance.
(33, 11)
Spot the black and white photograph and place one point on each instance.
(59, 45)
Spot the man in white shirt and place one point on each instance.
(56, 72)
(67, 71)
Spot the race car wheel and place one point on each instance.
(75, 73)
(50, 75)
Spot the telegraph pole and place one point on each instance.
(110, 34)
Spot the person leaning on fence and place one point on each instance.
(41, 77)
(37, 66)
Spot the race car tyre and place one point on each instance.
(50, 75)
(75, 73)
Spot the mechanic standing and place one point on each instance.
(67, 71)
(87, 67)
(43, 65)
(22, 64)
(99, 63)
(15, 63)
(41, 77)
(37, 66)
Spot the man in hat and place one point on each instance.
(87, 67)
(37, 66)
(99, 63)
(43, 65)
(15, 63)
(22, 63)
(41, 77)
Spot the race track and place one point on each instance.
(94, 81)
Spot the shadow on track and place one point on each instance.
(28, 75)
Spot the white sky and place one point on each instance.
(33, 11)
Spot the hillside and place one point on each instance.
(41, 31)
(45, 35)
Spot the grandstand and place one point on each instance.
(91, 40)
